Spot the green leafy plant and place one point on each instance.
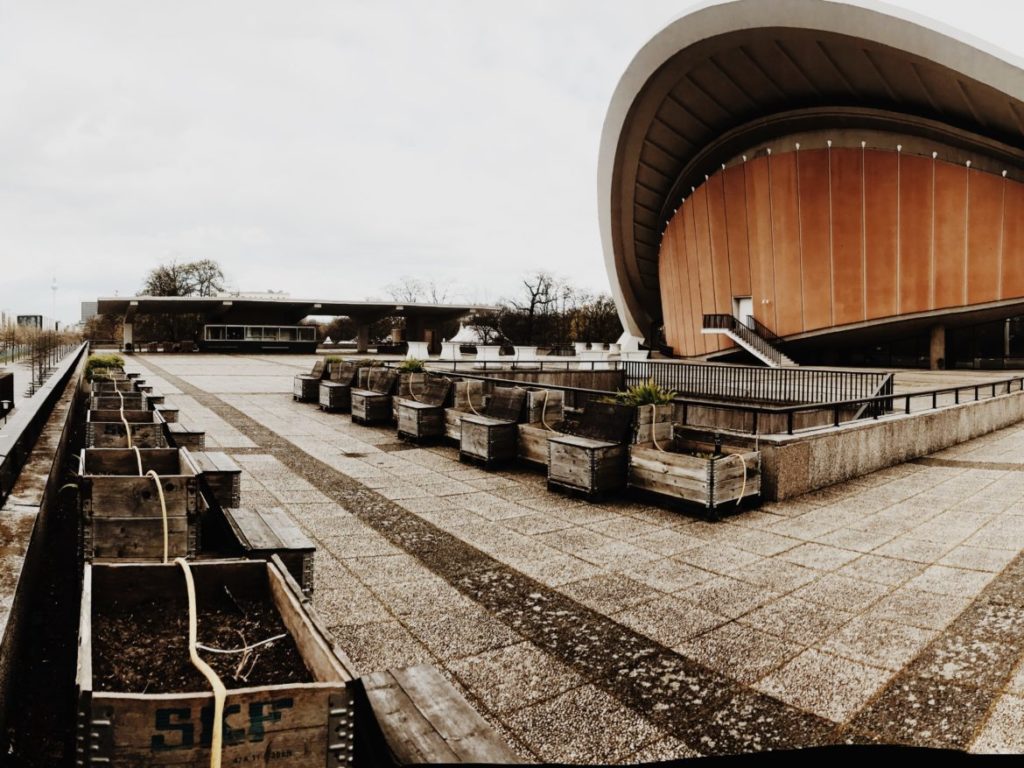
(96, 364)
(648, 393)
(332, 359)
(411, 365)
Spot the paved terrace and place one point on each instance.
(889, 609)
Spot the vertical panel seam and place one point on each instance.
(831, 254)
(899, 227)
(967, 230)
(932, 276)
(863, 237)
(800, 245)
(1002, 224)
(771, 232)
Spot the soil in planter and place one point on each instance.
(144, 649)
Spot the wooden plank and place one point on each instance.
(464, 731)
(847, 211)
(915, 234)
(409, 736)
(950, 235)
(984, 242)
(785, 208)
(139, 539)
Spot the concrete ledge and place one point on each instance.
(793, 465)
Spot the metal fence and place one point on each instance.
(757, 384)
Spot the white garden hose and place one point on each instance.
(469, 397)
(219, 691)
(163, 504)
(544, 410)
(743, 488)
(654, 429)
(127, 429)
(138, 459)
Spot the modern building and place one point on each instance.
(850, 178)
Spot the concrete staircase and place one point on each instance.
(750, 336)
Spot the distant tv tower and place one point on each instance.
(53, 312)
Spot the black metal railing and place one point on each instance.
(762, 330)
(755, 383)
(761, 419)
(20, 432)
(720, 322)
(749, 335)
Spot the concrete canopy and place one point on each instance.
(255, 311)
(730, 76)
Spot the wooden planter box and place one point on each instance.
(370, 407)
(487, 440)
(186, 437)
(663, 428)
(222, 476)
(121, 514)
(712, 482)
(408, 384)
(262, 532)
(100, 386)
(289, 725)
(305, 388)
(587, 466)
(334, 396)
(168, 412)
(546, 402)
(104, 429)
(419, 421)
(142, 386)
(133, 401)
(533, 443)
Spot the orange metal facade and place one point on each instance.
(827, 237)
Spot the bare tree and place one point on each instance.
(193, 278)
(541, 293)
(406, 289)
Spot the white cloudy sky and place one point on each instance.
(320, 147)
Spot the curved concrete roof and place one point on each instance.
(730, 76)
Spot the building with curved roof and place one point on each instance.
(839, 172)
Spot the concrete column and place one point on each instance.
(363, 338)
(937, 351)
(1006, 337)
(127, 340)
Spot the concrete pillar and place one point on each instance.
(127, 340)
(1006, 337)
(363, 338)
(937, 350)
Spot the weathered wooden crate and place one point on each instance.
(588, 466)
(222, 475)
(105, 429)
(130, 401)
(409, 387)
(306, 386)
(335, 392)
(693, 472)
(464, 393)
(184, 436)
(423, 416)
(645, 416)
(595, 459)
(544, 405)
(288, 725)
(533, 443)
(487, 440)
(101, 386)
(168, 412)
(373, 405)
(265, 531)
(491, 438)
(121, 513)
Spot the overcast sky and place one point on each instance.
(321, 148)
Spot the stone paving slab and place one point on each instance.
(815, 620)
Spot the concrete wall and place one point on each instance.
(24, 531)
(802, 463)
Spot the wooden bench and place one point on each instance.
(417, 717)
(261, 532)
(168, 412)
(335, 393)
(222, 475)
(306, 386)
(422, 418)
(491, 438)
(185, 437)
(373, 404)
(595, 460)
